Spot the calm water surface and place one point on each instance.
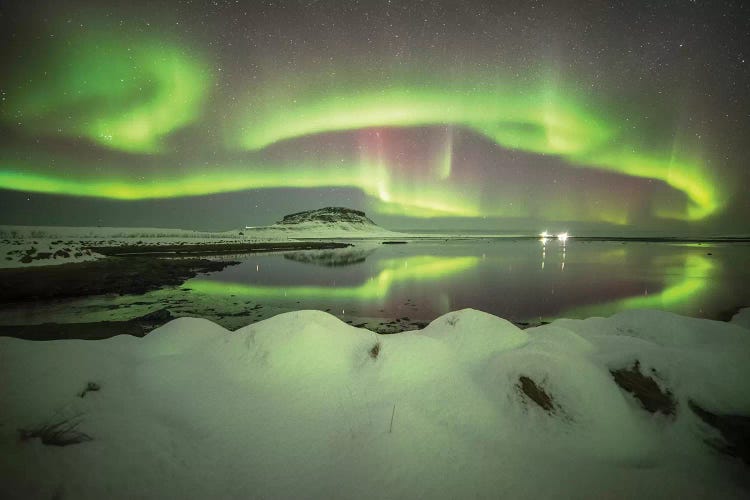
(375, 284)
(517, 279)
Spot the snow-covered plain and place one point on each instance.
(310, 229)
(43, 252)
(303, 405)
(25, 246)
(105, 233)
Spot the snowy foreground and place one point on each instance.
(304, 406)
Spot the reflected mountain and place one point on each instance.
(331, 258)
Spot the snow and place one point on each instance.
(43, 252)
(742, 318)
(297, 406)
(330, 222)
(319, 230)
(17, 242)
(100, 233)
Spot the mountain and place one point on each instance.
(328, 215)
(328, 222)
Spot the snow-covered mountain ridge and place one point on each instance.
(332, 215)
(327, 222)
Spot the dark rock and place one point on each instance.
(159, 316)
(535, 393)
(375, 351)
(734, 429)
(90, 387)
(645, 389)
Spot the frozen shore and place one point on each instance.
(303, 405)
(43, 246)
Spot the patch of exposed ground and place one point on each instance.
(535, 393)
(734, 429)
(645, 390)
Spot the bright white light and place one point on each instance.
(545, 234)
(562, 237)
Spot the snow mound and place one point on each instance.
(742, 318)
(303, 405)
(702, 360)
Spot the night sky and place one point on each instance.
(590, 116)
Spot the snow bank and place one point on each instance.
(304, 406)
(742, 318)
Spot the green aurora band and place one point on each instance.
(540, 121)
(372, 179)
(689, 276)
(125, 95)
(417, 268)
(131, 96)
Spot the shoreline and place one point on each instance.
(132, 269)
(199, 249)
(136, 269)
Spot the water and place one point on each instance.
(517, 279)
(392, 287)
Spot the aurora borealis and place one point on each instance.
(518, 115)
(124, 97)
